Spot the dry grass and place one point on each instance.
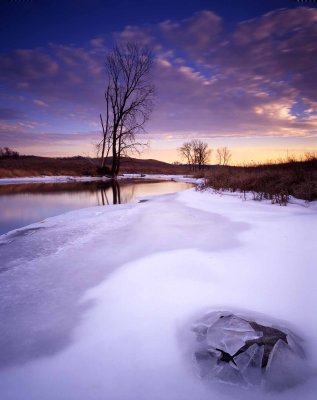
(37, 166)
(275, 182)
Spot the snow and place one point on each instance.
(51, 179)
(98, 303)
(164, 177)
(65, 178)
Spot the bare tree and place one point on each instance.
(202, 153)
(219, 156)
(186, 152)
(6, 152)
(129, 102)
(196, 153)
(223, 155)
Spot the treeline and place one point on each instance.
(275, 182)
(6, 152)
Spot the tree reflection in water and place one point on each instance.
(112, 190)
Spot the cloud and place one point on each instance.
(195, 35)
(97, 42)
(210, 82)
(40, 103)
(8, 126)
(241, 83)
(278, 49)
(27, 142)
(56, 73)
(146, 35)
(31, 64)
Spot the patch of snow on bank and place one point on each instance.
(176, 178)
(51, 179)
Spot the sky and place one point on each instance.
(235, 73)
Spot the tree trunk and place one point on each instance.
(115, 192)
(114, 160)
(103, 144)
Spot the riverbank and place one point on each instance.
(96, 303)
(50, 179)
(63, 179)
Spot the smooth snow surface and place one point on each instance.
(97, 303)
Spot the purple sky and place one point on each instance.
(238, 77)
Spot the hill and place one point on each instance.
(23, 166)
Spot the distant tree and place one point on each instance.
(196, 153)
(223, 155)
(129, 102)
(310, 156)
(6, 152)
(186, 152)
(202, 153)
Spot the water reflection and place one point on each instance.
(23, 204)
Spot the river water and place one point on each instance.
(23, 204)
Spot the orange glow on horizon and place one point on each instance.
(242, 152)
(240, 155)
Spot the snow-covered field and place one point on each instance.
(97, 303)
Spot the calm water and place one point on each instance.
(24, 204)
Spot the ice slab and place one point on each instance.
(237, 350)
(230, 333)
(229, 374)
(249, 363)
(285, 368)
(207, 362)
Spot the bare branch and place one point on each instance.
(223, 155)
(196, 153)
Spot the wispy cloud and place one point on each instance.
(40, 103)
